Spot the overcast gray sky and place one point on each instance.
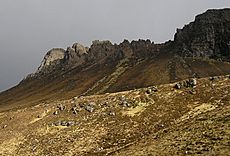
(29, 28)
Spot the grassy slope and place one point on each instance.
(168, 121)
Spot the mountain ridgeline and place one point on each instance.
(200, 49)
(207, 37)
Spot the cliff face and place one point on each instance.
(208, 36)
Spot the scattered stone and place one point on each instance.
(90, 107)
(55, 113)
(128, 104)
(154, 89)
(122, 98)
(211, 78)
(214, 78)
(149, 91)
(82, 105)
(64, 123)
(124, 103)
(70, 123)
(34, 147)
(106, 103)
(192, 82)
(75, 110)
(61, 107)
(178, 86)
(58, 123)
(99, 149)
(4, 126)
(112, 113)
(187, 83)
(75, 98)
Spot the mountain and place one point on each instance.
(200, 49)
(128, 98)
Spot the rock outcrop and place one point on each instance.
(75, 54)
(99, 52)
(52, 58)
(208, 36)
(80, 49)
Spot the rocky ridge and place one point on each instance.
(99, 52)
(207, 37)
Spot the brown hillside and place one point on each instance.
(160, 121)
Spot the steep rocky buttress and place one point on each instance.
(208, 36)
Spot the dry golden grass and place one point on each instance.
(168, 121)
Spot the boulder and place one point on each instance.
(178, 85)
(55, 113)
(64, 123)
(61, 107)
(4, 126)
(70, 123)
(149, 91)
(192, 82)
(75, 110)
(112, 113)
(186, 84)
(90, 107)
(58, 123)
